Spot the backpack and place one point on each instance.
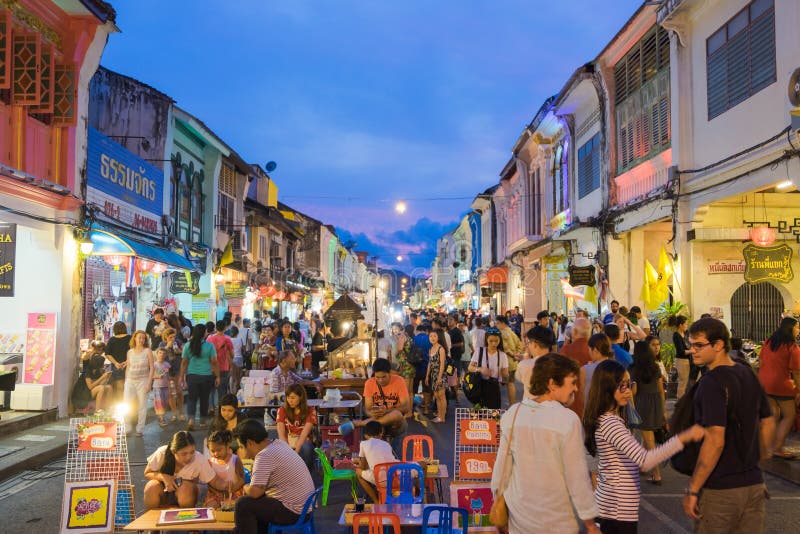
(472, 385)
(683, 418)
(415, 355)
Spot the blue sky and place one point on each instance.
(363, 103)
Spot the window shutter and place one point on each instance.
(47, 77)
(762, 50)
(650, 56)
(227, 180)
(717, 72)
(65, 96)
(5, 49)
(620, 82)
(738, 69)
(26, 51)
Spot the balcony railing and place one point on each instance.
(645, 178)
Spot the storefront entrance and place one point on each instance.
(756, 311)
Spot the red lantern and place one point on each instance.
(116, 260)
(159, 268)
(144, 265)
(280, 295)
(763, 236)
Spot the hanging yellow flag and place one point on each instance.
(653, 292)
(590, 295)
(664, 265)
(227, 254)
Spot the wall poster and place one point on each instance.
(40, 348)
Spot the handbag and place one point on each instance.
(633, 417)
(498, 515)
(473, 383)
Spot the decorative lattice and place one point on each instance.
(26, 55)
(86, 462)
(65, 93)
(47, 76)
(5, 49)
(466, 414)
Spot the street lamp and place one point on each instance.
(400, 207)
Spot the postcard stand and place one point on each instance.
(97, 450)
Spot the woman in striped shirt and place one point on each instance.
(620, 456)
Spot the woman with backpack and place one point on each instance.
(492, 363)
(620, 456)
(779, 374)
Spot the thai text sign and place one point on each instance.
(581, 276)
(100, 436)
(8, 258)
(476, 465)
(124, 186)
(478, 432)
(40, 348)
(181, 282)
(768, 264)
(725, 266)
(235, 290)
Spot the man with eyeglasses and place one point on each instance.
(726, 492)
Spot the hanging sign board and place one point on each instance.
(235, 290)
(8, 258)
(764, 264)
(179, 282)
(725, 266)
(478, 432)
(476, 465)
(100, 436)
(581, 276)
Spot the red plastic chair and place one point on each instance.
(418, 442)
(418, 449)
(380, 471)
(375, 522)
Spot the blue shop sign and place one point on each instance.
(116, 172)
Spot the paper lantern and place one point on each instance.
(144, 265)
(763, 236)
(159, 268)
(116, 260)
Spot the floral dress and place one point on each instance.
(404, 369)
(435, 361)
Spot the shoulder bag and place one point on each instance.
(473, 382)
(498, 515)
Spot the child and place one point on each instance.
(161, 369)
(374, 450)
(228, 468)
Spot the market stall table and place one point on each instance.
(348, 404)
(149, 521)
(442, 474)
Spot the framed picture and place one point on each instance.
(185, 515)
(88, 507)
(477, 499)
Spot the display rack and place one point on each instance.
(104, 458)
(466, 414)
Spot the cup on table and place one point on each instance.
(359, 507)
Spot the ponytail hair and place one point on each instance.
(196, 343)
(179, 440)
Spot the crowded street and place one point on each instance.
(446, 267)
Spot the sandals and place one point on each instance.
(786, 455)
(654, 481)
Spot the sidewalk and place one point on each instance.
(30, 439)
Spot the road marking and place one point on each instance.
(671, 525)
(34, 437)
(58, 428)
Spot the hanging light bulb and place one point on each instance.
(763, 236)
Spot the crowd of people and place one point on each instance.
(586, 383)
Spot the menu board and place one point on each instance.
(40, 348)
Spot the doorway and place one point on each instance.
(756, 311)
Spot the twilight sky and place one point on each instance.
(363, 103)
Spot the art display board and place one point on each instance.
(477, 498)
(181, 516)
(40, 348)
(97, 452)
(88, 506)
(477, 438)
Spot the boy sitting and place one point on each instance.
(374, 450)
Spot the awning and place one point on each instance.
(108, 244)
(495, 275)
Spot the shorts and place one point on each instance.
(368, 475)
(238, 361)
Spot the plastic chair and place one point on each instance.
(329, 474)
(447, 524)
(379, 472)
(375, 524)
(418, 449)
(304, 523)
(405, 474)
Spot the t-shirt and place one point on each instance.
(478, 338)
(197, 469)
(643, 323)
(394, 393)
(622, 355)
(224, 348)
(515, 322)
(283, 475)
(456, 337)
(384, 348)
(578, 350)
(775, 372)
(199, 365)
(738, 465)
(279, 380)
(524, 373)
(294, 428)
(317, 355)
(422, 341)
(118, 347)
(495, 362)
(376, 451)
(93, 367)
(161, 374)
(153, 330)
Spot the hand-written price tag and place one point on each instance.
(478, 432)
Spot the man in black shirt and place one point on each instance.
(154, 328)
(318, 348)
(726, 492)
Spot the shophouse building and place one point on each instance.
(48, 53)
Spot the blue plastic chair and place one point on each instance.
(405, 476)
(447, 523)
(305, 523)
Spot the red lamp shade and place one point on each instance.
(763, 236)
